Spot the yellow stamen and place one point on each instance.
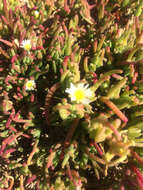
(29, 85)
(79, 94)
(27, 47)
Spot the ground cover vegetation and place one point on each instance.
(71, 94)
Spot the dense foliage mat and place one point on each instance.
(71, 94)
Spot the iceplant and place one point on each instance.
(30, 85)
(26, 44)
(80, 93)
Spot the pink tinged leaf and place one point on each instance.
(26, 136)
(95, 78)
(31, 179)
(37, 69)
(116, 76)
(5, 20)
(69, 173)
(61, 40)
(21, 120)
(6, 42)
(140, 183)
(17, 115)
(6, 107)
(65, 29)
(38, 185)
(49, 164)
(10, 118)
(2, 149)
(94, 75)
(22, 35)
(12, 79)
(4, 53)
(50, 159)
(95, 81)
(11, 17)
(1, 69)
(65, 62)
(132, 69)
(32, 98)
(32, 21)
(13, 137)
(134, 77)
(35, 8)
(5, 8)
(5, 94)
(46, 30)
(14, 58)
(21, 78)
(74, 52)
(41, 27)
(95, 45)
(11, 150)
(61, 71)
(6, 80)
(24, 164)
(16, 97)
(72, 3)
(20, 95)
(12, 129)
(39, 48)
(128, 63)
(25, 125)
(34, 48)
(8, 141)
(8, 122)
(13, 112)
(66, 7)
(122, 187)
(18, 89)
(49, 57)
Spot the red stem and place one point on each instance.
(97, 148)
(115, 109)
(71, 132)
(137, 157)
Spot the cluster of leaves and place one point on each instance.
(48, 141)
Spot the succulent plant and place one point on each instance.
(71, 95)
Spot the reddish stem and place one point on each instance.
(119, 138)
(115, 109)
(71, 132)
(137, 157)
(97, 148)
(138, 173)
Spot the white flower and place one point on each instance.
(26, 44)
(80, 93)
(36, 14)
(30, 85)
